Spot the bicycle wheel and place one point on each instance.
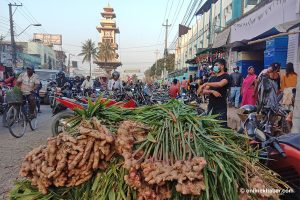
(33, 122)
(16, 122)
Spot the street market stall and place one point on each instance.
(162, 151)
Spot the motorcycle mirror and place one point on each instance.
(260, 135)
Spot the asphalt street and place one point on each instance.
(13, 150)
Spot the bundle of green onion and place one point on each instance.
(176, 133)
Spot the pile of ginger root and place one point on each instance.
(151, 177)
(257, 183)
(67, 160)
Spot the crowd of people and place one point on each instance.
(218, 86)
(232, 89)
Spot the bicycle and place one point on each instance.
(17, 118)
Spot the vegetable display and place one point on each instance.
(67, 160)
(155, 152)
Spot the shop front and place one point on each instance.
(262, 37)
(206, 58)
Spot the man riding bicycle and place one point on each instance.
(29, 83)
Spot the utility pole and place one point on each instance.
(12, 34)
(166, 38)
(69, 62)
(156, 53)
(166, 44)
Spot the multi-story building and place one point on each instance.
(60, 60)
(23, 58)
(211, 19)
(46, 54)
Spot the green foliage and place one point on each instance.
(176, 133)
(106, 52)
(170, 66)
(88, 51)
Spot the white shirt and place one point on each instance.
(114, 85)
(87, 84)
(28, 83)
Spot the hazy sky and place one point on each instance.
(140, 23)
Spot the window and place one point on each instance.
(45, 58)
(251, 2)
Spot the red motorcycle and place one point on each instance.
(282, 153)
(65, 107)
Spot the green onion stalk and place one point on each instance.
(178, 133)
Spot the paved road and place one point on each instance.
(12, 150)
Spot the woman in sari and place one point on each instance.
(248, 96)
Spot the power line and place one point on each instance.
(161, 29)
(176, 15)
(187, 20)
(170, 9)
(24, 11)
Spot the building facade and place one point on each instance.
(46, 54)
(211, 19)
(108, 31)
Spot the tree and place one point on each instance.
(106, 52)
(134, 78)
(170, 66)
(89, 52)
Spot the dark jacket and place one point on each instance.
(236, 79)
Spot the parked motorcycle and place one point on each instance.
(65, 108)
(281, 154)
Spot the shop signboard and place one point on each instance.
(264, 19)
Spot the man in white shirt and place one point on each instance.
(29, 82)
(115, 84)
(87, 85)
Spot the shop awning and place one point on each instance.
(205, 7)
(202, 51)
(191, 61)
(221, 39)
(286, 27)
(264, 21)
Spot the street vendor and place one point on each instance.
(29, 83)
(217, 87)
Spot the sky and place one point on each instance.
(140, 23)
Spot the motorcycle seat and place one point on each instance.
(292, 139)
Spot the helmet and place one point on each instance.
(116, 74)
(30, 67)
(67, 84)
(247, 109)
(61, 74)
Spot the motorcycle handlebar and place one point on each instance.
(278, 148)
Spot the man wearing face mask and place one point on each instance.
(236, 81)
(216, 88)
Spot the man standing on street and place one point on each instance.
(217, 87)
(184, 85)
(174, 89)
(87, 85)
(236, 81)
